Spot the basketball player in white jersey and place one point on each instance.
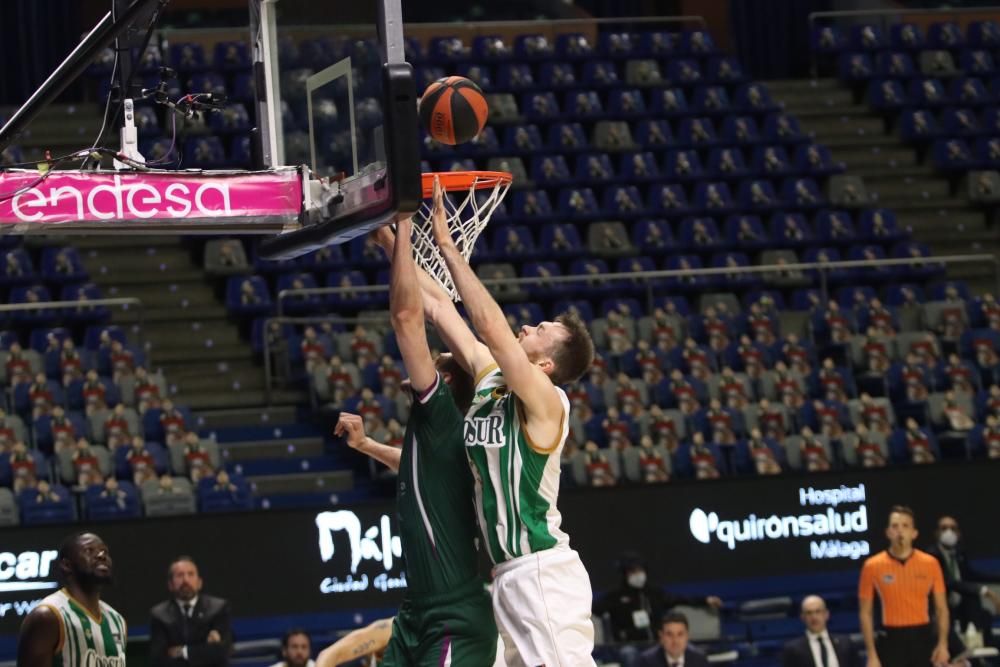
(72, 627)
(514, 433)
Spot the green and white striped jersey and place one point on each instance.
(85, 641)
(517, 484)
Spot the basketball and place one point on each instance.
(453, 110)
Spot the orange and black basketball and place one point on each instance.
(453, 110)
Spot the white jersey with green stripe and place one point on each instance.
(85, 641)
(517, 481)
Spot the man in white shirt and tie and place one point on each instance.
(818, 648)
(672, 648)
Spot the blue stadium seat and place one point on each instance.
(623, 202)
(969, 92)
(886, 95)
(783, 128)
(771, 161)
(657, 44)
(231, 56)
(867, 37)
(447, 49)
(802, 193)
(638, 167)
(961, 122)
(480, 74)
(550, 170)
(754, 98)
(855, 67)
(835, 227)
(208, 83)
(547, 269)
(895, 65)
(683, 282)
(928, 93)
(668, 200)
(906, 37)
(575, 46)
(540, 106)
(577, 204)
(104, 505)
(711, 100)
(84, 292)
(515, 77)
(683, 72)
(16, 268)
(522, 138)
(654, 134)
(669, 102)
(952, 155)
(212, 499)
(350, 299)
(740, 130)
(816, 160)
(726, 163)
(36, 512)
(592, 268)
(564, 137)
(827, 39)
(205, 152)
(987, 153)
(560, 240)
(713, 198)
(652, 237)
(583, 104)
(918, 126)
(233, 118)
(626, 103)
(538, 47)
(699, 234)
(512, 242)
(254, 299)
(188, 57)
(557, 75)
(599, 74)
(724, 70)
(746, 231)
(32, 294)
(301, 303)
(683, 165)
(490, 48)
(617, 44)
(977, 62)
(594, 168)
(733, 260)
(698, 132)
(984, 34)
(757, 195)
(533, 204)
(698, 43)
(946, 35)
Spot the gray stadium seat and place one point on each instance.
(9, 515)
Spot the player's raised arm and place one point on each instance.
(406, 310)
(440, 311)
(525, 378)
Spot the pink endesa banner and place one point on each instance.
(75, 197)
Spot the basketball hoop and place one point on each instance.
(470, 197)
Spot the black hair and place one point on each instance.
(674, 617)
(179, 559)
(291, 633)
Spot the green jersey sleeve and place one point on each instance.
(435, 418)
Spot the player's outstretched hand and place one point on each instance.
(351, 427)
(439, 221)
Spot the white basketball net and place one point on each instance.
(468, 215)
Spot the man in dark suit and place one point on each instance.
(966, 585)
(190, 629)
(672, 649)
(818, 648)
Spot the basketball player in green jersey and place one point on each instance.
(514, 434)
(446, 617)
(72, 627)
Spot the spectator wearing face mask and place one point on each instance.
(635, 608)
(967, 586)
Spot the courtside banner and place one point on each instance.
(143, 198)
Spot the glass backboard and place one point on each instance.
(335, 94)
